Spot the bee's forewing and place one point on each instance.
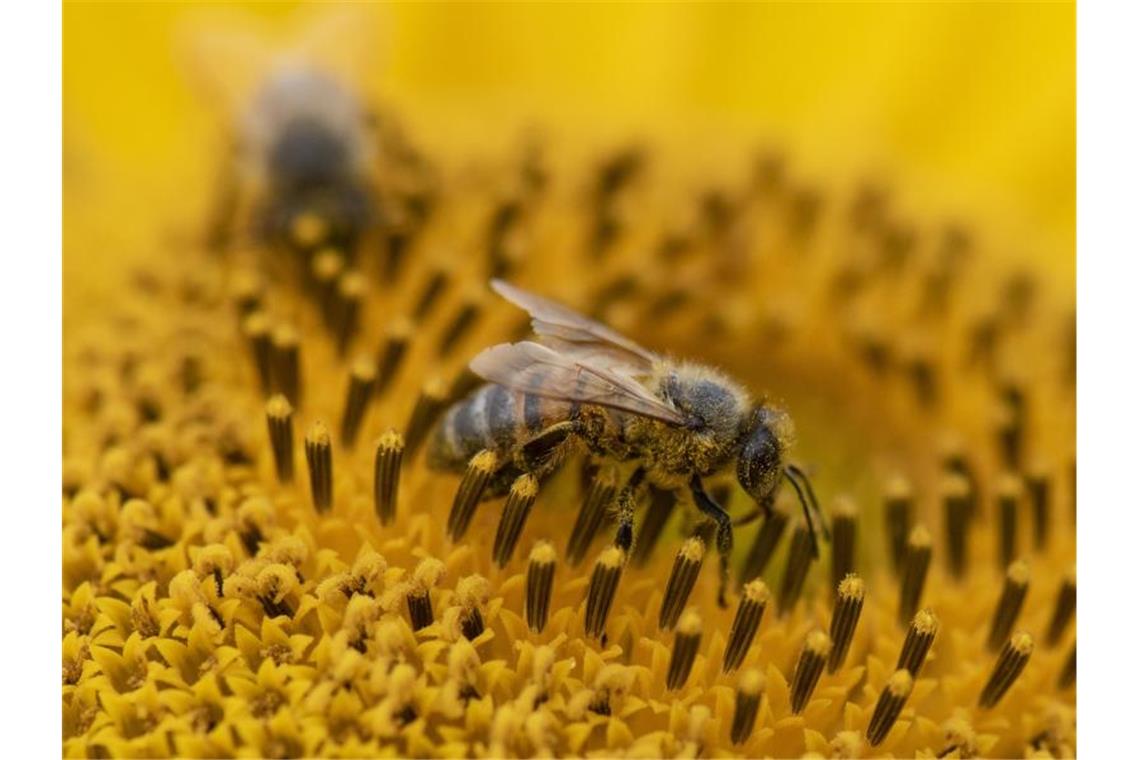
(575, 334)
(533, 368)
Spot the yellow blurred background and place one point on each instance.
(967, 108)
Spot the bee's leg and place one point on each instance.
(716, 512)
(539, 453)
(762, 509)
(625, 502)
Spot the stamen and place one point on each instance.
(350, 293)
(844, 618)
(915, 568)
(749, 695)
(799, 560)
(386, 475)
(519, 502)
(1009, 495)
(460, 324)
(326, 267)
(1069, 671)
(809, 668)
(1010, 429)
(424, 578)
(1064, 609)
(1008, 667)
(431, 292)
(470, 593)
(307, 230)
(661, 504)
(956, 513)
(279, 416)
(286, 364)
(256, 329)
(889, 706)
(539, 584)
(686, 568)
(919, 638)
(318, 454)
(686, 642)
(764, 546)
(842, 541)
(361, 380)
(899, 508)
(590, 516)
(603, 588)
(479, 471)
(749, 612)
(392, 353)
(1009, 604)
(1040, 498)
(247, 292)
(431, 401)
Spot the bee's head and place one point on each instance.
(759, 466)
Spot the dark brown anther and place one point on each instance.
(764, 546)
(429, 405)
(686, 568)
(844, 618)
(749, 695)
(1008, 667)
(1009, 604)
(809, 668)
(424, 578)
(327, 265)
(286, 364)
(600, 495)
(256, 329)
(279, 416)
(515, 511)
(386, 475)
(318, 454)
(539, 585)
(899, 510)
(1069, 671)
(351, 290)
(956, 516)
(248, 291)
(1009, 492)
(1040, 499)
(392, 353)
(429, 296)
(799, 560)
(479, 471)
(915, 567)
(749, 613)
(361, 379)
(890, 704)
(602, 590)
(919, 638)
(460, 324)
(842, 541)
(686, 642)
(1063, 610)
(661, 504)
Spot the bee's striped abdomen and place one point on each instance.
(495, 418)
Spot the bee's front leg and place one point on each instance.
(708, 506)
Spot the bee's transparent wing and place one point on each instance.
(572, 334)
(533, 368)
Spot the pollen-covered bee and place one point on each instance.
(305, 143)
(582, 384)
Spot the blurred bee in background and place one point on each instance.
(673, 423)
(311, 163)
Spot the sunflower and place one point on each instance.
(258, 559)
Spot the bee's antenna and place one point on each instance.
(811, 498)
(807, 514)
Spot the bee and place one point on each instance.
(305, 141)
(671, 423)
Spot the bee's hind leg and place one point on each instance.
(709, 507)
(625, 502)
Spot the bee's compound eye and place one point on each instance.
(758, 467)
